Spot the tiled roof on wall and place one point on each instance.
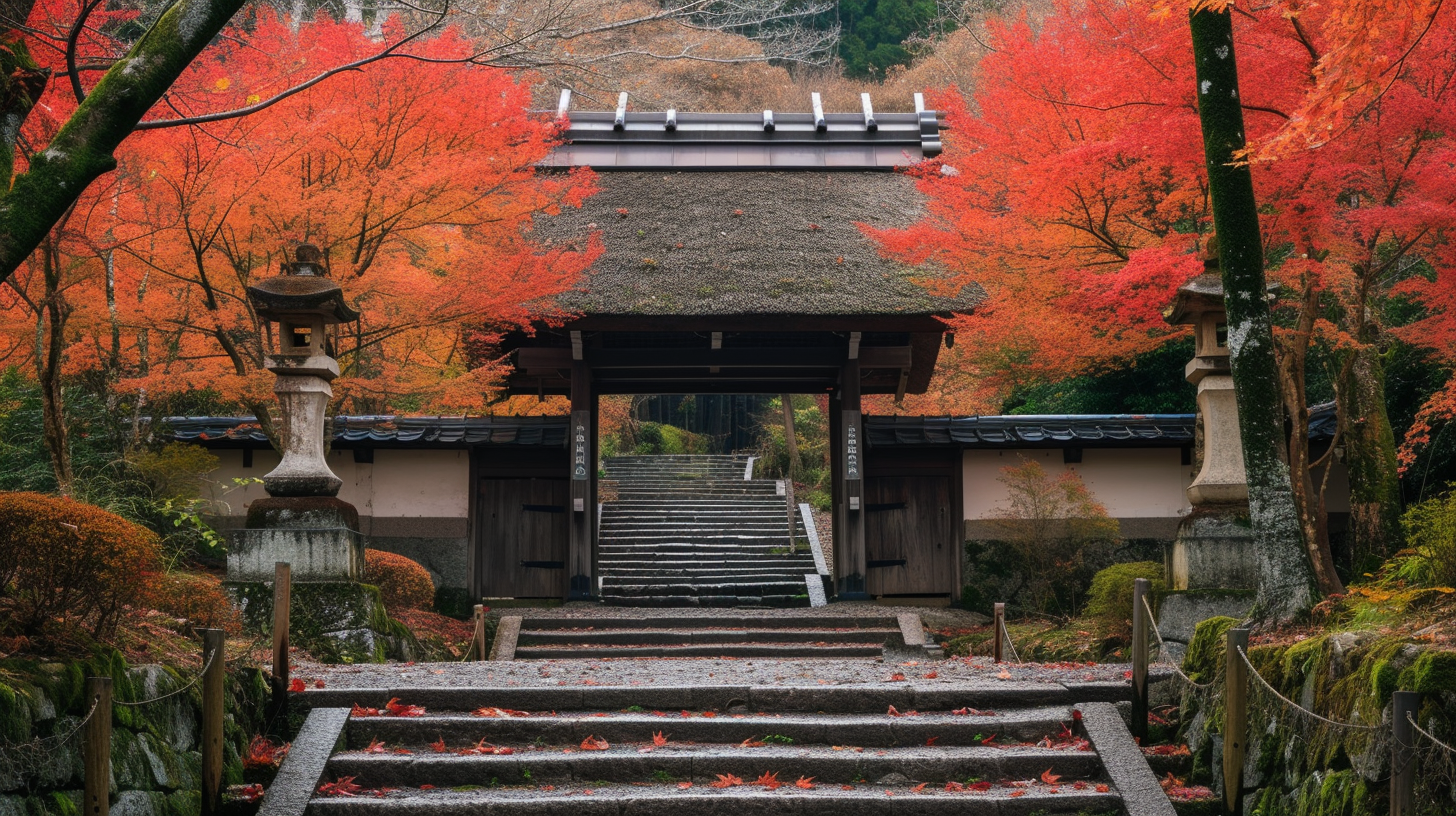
(353, 431)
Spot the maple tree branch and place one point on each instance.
(84, 147)
(236, 113)
(72, 41)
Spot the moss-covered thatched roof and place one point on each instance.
(738, 244)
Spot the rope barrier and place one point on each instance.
(27, 758)
(174, 692)
(1006, 633)
(1423, 732)
(1253, 672)
(1163, 649)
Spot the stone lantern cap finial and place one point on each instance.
(302, 290)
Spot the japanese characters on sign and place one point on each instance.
(851, 446)
(580, 457)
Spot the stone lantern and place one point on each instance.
(1221, 479)
(303, 303)
(302, 522)
(1214, 547)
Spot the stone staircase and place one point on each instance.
(810, 750)
(671, 635)
(695, 531)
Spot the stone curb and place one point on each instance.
(1124, 761)
(507, 632)
(303, 769)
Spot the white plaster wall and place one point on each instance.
(400, 483)
(1129, 482)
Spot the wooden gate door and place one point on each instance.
(522, 527)
(907, 532)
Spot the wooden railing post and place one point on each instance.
(282, 599)
(479, 646)
(1235, 719)
(1140, 587)
(1402, 753)
(998, 624)
(96, 798)
(212, 708)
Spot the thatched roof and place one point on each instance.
(734, 244)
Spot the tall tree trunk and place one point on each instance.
(49, 356)
(1369, 445)
(1286, 584)
(791, 440)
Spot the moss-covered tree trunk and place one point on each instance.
(83, 148)
(1286, 586)
(1369, 454)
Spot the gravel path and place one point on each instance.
(867, 672)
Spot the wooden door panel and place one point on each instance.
(523, 537)
(907, 530)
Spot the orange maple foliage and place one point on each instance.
(594, 743)
(417, 179)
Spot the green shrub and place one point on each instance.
(1110, 599)
(1430, 531)
(402, 582)
(72, 563)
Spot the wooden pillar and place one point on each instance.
(579, 571)
(282, 602)
(1407, 704)
(1235, 720)
(851, 543)
(1140, 589)
(212, 719)
(96, 776)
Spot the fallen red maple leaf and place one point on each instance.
(296, 684)
(684, 785)
(989, 740)
(1050, 778)
(769, 780)
(492, 711)
(954, 787)
(343, 786)
(439, 746)
(897, 677)
(918, 788)
(1016, 793)
(319, 683)
(894, 712)
(1102, 788)
(594, 743)
(658, 739)
(752, 743)
(805, 782)
(726, 781)
(375, 747)
(979, 786)
(361, 711)
(397, 709)
(846, 787)
(932, 675)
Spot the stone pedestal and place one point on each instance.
(318, 536)
(1214, 550)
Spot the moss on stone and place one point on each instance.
(1204, 660)
(1431, 673)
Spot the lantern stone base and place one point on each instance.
(1214, 549)
(315, 535)
(335, 621)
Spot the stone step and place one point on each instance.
(624, 589)
(793, 569)
(838, 622)
(667, 799)
(776, 651)
(640, 637)
(702, 764)
(877, 730)
(706, 601)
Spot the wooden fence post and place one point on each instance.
(479, 646)
(282, 599)
(1235, 720)
(1402, 754)
(999, 625)
(97, 749)
(212, 706)
(1140, 587)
